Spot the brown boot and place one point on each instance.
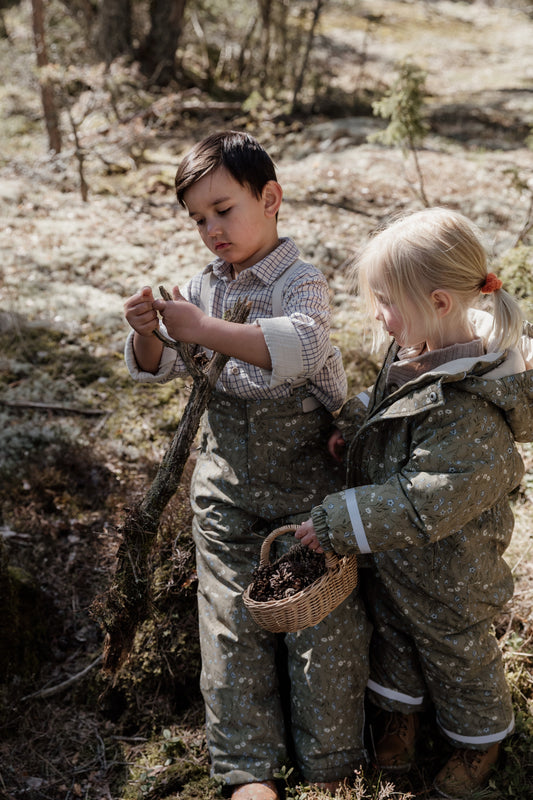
(396, 748)
(466, 771)
(263, 790)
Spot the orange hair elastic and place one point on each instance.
(492, 284)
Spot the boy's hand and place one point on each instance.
(140, 313)
(307, 535)
(183, 320)
(336, 445)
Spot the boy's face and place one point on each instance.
(233, 223)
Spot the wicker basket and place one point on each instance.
(309, 606)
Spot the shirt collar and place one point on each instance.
(267, 270)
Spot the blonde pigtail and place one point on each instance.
(508, 320)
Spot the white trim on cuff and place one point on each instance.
(364, 397)
(355, 519)
(168, 359)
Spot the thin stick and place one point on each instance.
(89, 412)
(60, 687)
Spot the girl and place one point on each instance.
(431, 460)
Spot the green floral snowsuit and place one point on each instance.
(430, 468)
(263, 464)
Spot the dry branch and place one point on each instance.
(88, 412)
(60, 687)
(127, 602)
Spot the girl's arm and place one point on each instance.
(454, 474)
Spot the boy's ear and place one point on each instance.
(442, 301)
(272, 195)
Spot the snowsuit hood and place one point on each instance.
(499, 378)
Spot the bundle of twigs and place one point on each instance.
(126, 604)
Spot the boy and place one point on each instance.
(263, 462)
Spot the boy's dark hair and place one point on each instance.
(243, 157)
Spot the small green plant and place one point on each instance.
(284, 775)
(172, 746)
(403, 105)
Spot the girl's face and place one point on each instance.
(233, 223)
(406, 328)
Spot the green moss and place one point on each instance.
(184, 778)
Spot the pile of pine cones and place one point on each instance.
(291, 573)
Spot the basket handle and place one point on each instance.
(331, 556)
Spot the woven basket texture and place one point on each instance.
(313, 603)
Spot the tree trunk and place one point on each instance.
(311, 35)
(47, 90)
(157, 54)
(113, 38)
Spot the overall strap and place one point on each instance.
(208, 282)
(278, 287)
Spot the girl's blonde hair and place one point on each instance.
(436, 248)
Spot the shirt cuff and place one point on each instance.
(166, 365)
(285, 350)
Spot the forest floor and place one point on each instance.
(71, 468)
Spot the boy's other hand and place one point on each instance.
(140, 313)
(307, 535)
(183, 320)
(336, 445)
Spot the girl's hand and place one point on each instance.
(183, 320)
(139, 312)
(307, 535)
(336, 445)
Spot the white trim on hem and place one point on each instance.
(392, 694)
(490, 738)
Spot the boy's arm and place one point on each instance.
(299, 341)
(147, 351)
(187, 323)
